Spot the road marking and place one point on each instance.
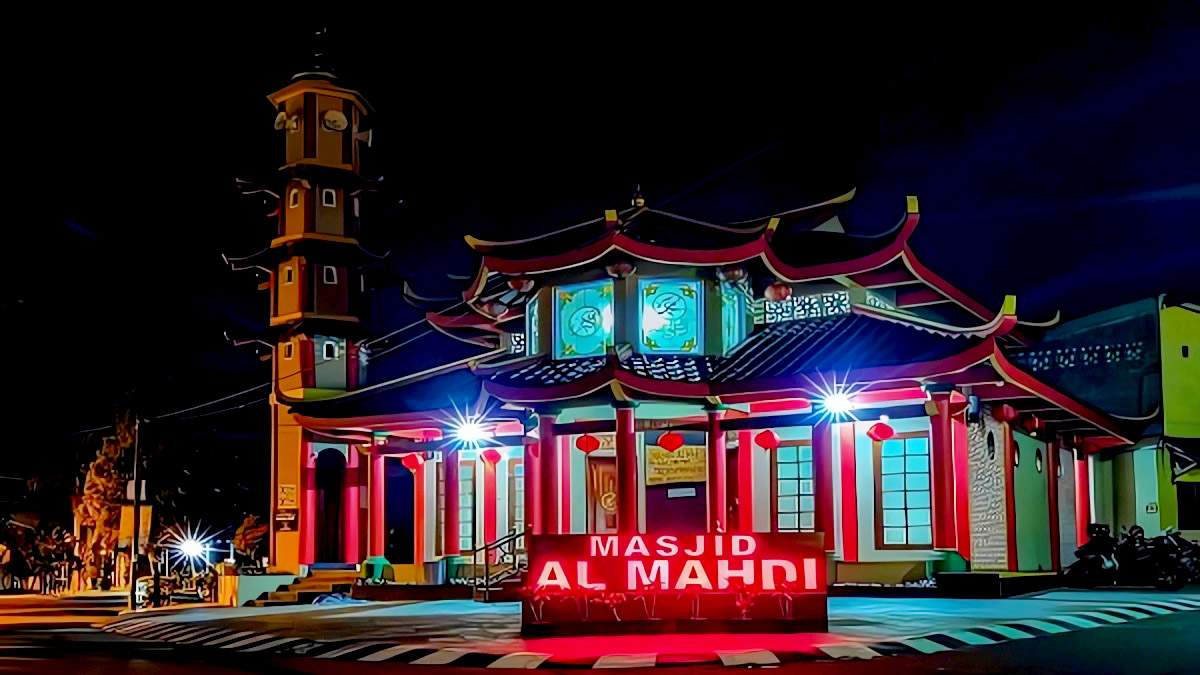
(274, 643)
(228, 638)
(348, 648)
(1076, 620)
(204, 635)
(1040, 625)
(1142, 607)
(519, 660)
(248, 641)
(849, 651)
(1107, 618)
(753, 657)
(1009, 632)
(1127, 612)
(385, 654)
(1174, 605)
(438, 658)
(968, 637)
(126, 626)
(924, 646)
(626, 661)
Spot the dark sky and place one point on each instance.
(1055, 156)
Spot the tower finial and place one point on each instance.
(638, 200)
(321, 66)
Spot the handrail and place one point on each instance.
(506, 545)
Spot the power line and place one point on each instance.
(395, 347)
(217, 400)
(218, 412)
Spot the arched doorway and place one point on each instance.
(330, 474)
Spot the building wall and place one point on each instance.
(1180, 328)
(1103, 494)
(1066, 506)
(1031, 493)
(864, 459)
(989, 515)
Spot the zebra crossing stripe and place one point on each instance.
(126, 626)
(204, 635)
(190, 632)
(519, 660)
(248, 641)
(973, 639)
(1077, 621)
(348, 648)
(272, 644)
(228, 638)
(1041, 625)
(152, 631)
(385, 654)
(1149, 609)
(924, 645)
(1125, 611)
(1009, 632)
(440, 657)
(849, 651)
(176, 631)
(1173, 606)
(754, 657)
(626, 661)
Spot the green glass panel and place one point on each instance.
(808, 503)
(893, 500)
(921, 536)
(806, 469)
(786, 453)
(916, 446)
(787, 487)
(916, 481)
(532, 328)
(789, 471)
(807, 521)
(671, 316)
(788, 521)
(892, 465)
(917, 463)
(893, 482)
(893, 518)
(894, 535)
(465, 471)
(918, 517)
(918, 500)
(733, 317)
(805, 453)
(806, 487)
(788, 505)
(892, 448)
(583, 319)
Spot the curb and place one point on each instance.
(207, 635)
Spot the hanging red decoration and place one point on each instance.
(1031, 423)
(670, 441)
(620, 269)
(587, 443)
(880, 431)
(778, 292)
(412, 461)
(495, 308)
(768, 439)
(491, 456)
(1004, 413)
(732, 273)
(1088, 447)
(520, 284)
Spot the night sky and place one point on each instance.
(1055, 157)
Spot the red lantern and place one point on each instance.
(412, 461)
(1088, 448)
(491, 456)
(620, 269)
(670, 441)
(1031, 423)
(520, 284)
(768, 439)
(1004, 413)
(587, 443)
(880, 432)
(495, 308)
(778, 292)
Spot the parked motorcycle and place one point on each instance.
(1096, 563)
(1134, 560)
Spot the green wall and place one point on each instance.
(1181, 374)
(1031, 491)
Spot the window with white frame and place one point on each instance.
(903, 501)
(466, 506)
(289, 275)
(288, 350)
(793, 487)
(330, 350)
(294, 198)
(329, 274)
(328, 197)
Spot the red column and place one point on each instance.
(1051, 467)
(822, 449)
(564, 484)
(1010, 498)
(942, 455)
(489, 502)
(1083, 499)
(548, 456)
(717, 469)
(533, 490)
(627, 472)
(308, 518)
(450, 517)
(351, 552)
(962, 485)
(849, 478)
(377, 513)
(745, 489)
(419, 519)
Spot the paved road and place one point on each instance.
(44, 635)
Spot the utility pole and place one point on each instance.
(137, 515)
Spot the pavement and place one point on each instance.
(1058, 632)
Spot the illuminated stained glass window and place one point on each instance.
(733, 316)
(583, 319)
(795, 492)
(531, 327)
(466, 506)
(903, 506)
(671, 316)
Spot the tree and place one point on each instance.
(249, 539)
(99, 509)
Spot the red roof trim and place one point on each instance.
(390, 422)
(944, 287)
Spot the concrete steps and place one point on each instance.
(304, 590)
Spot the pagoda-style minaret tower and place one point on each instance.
(316, 302)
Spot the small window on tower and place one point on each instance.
(330, 274)
(328, 197)
(294, 198)
(331, 350)
(356, 207)
(288, 350)
(289, 276)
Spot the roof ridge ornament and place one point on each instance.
(1004, 321)
(638, 200)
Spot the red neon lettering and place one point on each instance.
(743, 545)
(699, 547)
(746, 573)
(553, 575)
(769, 567)
(581, 575)
(603, 546)
(810, 574)
(693, 575)
(638, 546)
(638, 578)
(667, 545)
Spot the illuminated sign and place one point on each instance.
(655, 582)
(684, 465)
